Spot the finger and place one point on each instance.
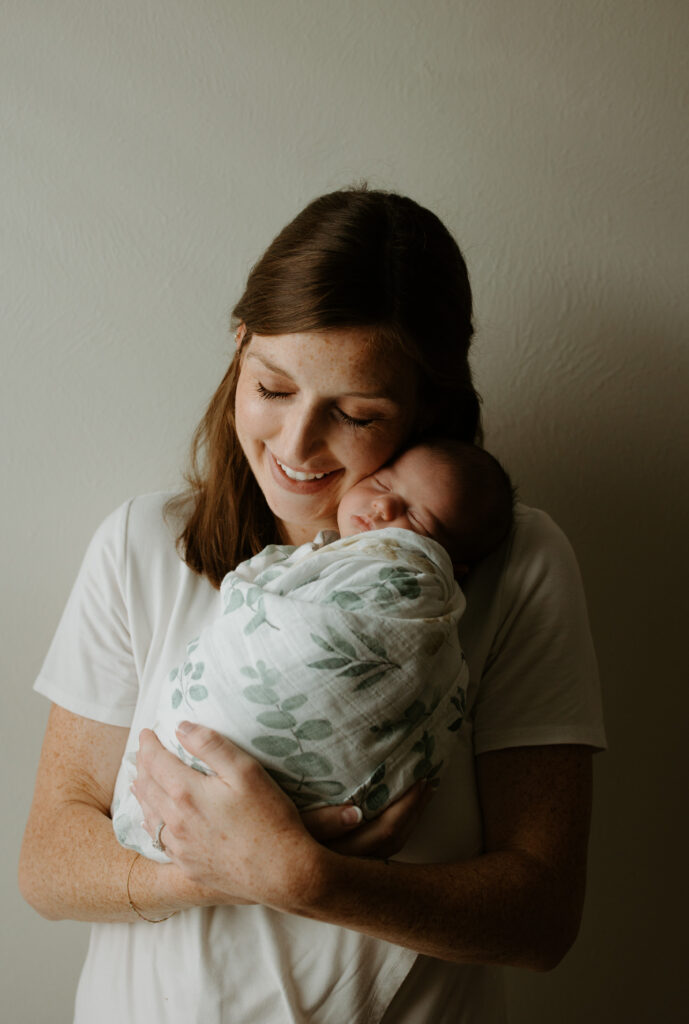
(153, 759)
(155, 804)
(327, 823)
(155, 763)
(221, 755)
(387, 834)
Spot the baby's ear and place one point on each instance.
(460, 570)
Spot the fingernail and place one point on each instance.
(352, 815)
(185, 727)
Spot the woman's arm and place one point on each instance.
(71, 865)
(519, 903)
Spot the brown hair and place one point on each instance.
(353, 258)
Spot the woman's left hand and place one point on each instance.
(234, 832)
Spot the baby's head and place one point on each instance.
(454, 492)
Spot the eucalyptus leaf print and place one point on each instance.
(424, 768)
(259, 694)
(288, 735)
(263, 692)
(373, 679)
(393, 583)
(374, 645)
(340, 642)
(411, 716)
(346, 599)
(347, 663)
(259, 619)
(314, 729)
(309, 764)
(188, 689)
(292, 703)
(377, 798)
(275, 746)
(234, 601)
(276, 719)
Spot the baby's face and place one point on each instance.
(418, 492)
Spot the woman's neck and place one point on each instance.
(302, 533)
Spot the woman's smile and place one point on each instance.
(301, 481)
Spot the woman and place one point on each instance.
(352, 341)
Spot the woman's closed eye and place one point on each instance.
(265, 393)
(351, 421)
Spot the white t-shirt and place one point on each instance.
(134, 605)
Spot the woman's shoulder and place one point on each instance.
(139, 531)
(140, 518)
(535, 528)
(538, 550)
(532, 577)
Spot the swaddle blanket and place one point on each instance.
(337, 664)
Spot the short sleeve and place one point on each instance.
(90, 668)
(540, 680)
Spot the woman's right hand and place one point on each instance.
(381, 838)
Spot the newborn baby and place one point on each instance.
(337, 663)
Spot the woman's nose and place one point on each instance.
(303, 435)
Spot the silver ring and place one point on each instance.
(157, 844)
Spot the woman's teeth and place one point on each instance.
(293, 474)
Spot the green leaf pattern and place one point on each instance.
(305, 769)
(188, 689)
(370, 661)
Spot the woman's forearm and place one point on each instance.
(71, 864)
(519, 903)
(500, 908)
(72, 867)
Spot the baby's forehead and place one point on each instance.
(422, 459)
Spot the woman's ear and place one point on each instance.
(239, 336)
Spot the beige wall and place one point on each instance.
(151, 148)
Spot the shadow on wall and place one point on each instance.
(611, 466)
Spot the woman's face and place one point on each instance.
(315, 413)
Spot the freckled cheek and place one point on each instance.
(368, 456)
(254, 420)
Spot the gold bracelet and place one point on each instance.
(132, 904)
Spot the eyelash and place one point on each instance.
(350, 421)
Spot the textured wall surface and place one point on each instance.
(149, 151)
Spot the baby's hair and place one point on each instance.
(487, 515)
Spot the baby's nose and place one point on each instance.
(385, 506)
